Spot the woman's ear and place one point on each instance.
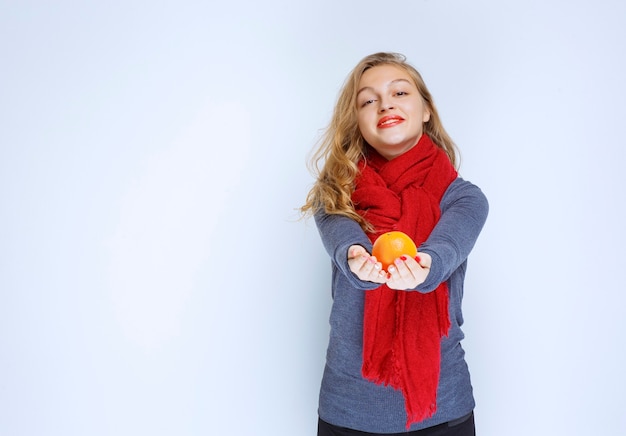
(426, 117)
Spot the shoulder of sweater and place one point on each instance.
(460, 188)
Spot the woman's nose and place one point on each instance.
(384, 105)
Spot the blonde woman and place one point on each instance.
(394, 362)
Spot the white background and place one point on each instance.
(154, 276)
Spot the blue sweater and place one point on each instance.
(346, 398)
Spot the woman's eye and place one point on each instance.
(365, 103)
(402, 93)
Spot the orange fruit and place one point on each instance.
(391, 245)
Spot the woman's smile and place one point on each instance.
(389, 121)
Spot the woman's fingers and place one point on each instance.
(364, 266)
(406, 273)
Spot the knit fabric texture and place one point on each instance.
(349, 400)
(402, 330)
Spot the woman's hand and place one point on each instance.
(364, 266)
(408, 273)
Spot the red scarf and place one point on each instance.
(402, 331)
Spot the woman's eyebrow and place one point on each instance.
(390, 83)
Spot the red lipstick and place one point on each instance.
(389, 121)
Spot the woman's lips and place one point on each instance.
(389, 121)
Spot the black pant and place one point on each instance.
(454, 428)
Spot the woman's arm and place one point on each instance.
(464, 210)
(343, 239)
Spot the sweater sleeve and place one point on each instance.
(338, 233)
(464, 210)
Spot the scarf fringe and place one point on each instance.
(419, 417)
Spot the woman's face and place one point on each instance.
(391, 111)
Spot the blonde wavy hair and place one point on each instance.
(335, 162)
